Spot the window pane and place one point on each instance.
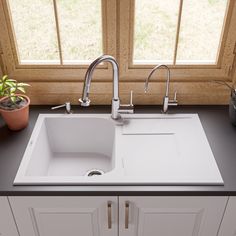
(80, 30)
(200, 31)
(35, 31)
(155, 31)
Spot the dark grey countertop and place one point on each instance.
(220, 133)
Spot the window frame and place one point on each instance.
(51, 72)
(222, 70)
(56, 84)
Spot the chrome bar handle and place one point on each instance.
(127, 108)
(66, 105)
(175, 97)
(109, 214)
(57, 107)
(126, 215)
(131, 98)
(173, 102)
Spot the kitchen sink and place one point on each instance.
(93, 149)
(63, 146)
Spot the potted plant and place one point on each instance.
(14, 106)
(232, 101)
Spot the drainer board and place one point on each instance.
(169, 149)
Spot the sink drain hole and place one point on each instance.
(94, 172)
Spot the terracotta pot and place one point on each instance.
(16, 119)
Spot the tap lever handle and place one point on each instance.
(127, 108)
(131, 98)
(66, 105)
(131, 105)
(175, 96)
(58, 107)
(174, 102)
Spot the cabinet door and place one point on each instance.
(7, 223)
(170, 216)
(70, 216)
(228, 226)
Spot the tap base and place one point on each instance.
(84, 103)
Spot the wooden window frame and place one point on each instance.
(55, 73)
(56, 84)
(222, 70)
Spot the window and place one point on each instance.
(55, 40)
(174, 42)
(178, 32)
(57, 32)
(155, 31)
(200, 33)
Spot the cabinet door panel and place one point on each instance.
(171, 216)
(228, 226)
(60, 216)
(7, 223)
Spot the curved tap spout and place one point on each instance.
(166, 101)
(152, 72)
(85, 101)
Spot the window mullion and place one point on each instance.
(58, 30)
(178, 31)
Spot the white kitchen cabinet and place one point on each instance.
(66, 216)
(170, 216)
(228, 226)
(138, 216)
(7, 223)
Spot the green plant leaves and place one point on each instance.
(9, 88)
(21, 89)
(5, 77)
(13, 99)
(23, 85)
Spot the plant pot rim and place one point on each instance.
(22, 95)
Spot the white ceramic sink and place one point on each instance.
(144, 149)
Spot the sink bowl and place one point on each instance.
(93, 149)
(68, 146)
